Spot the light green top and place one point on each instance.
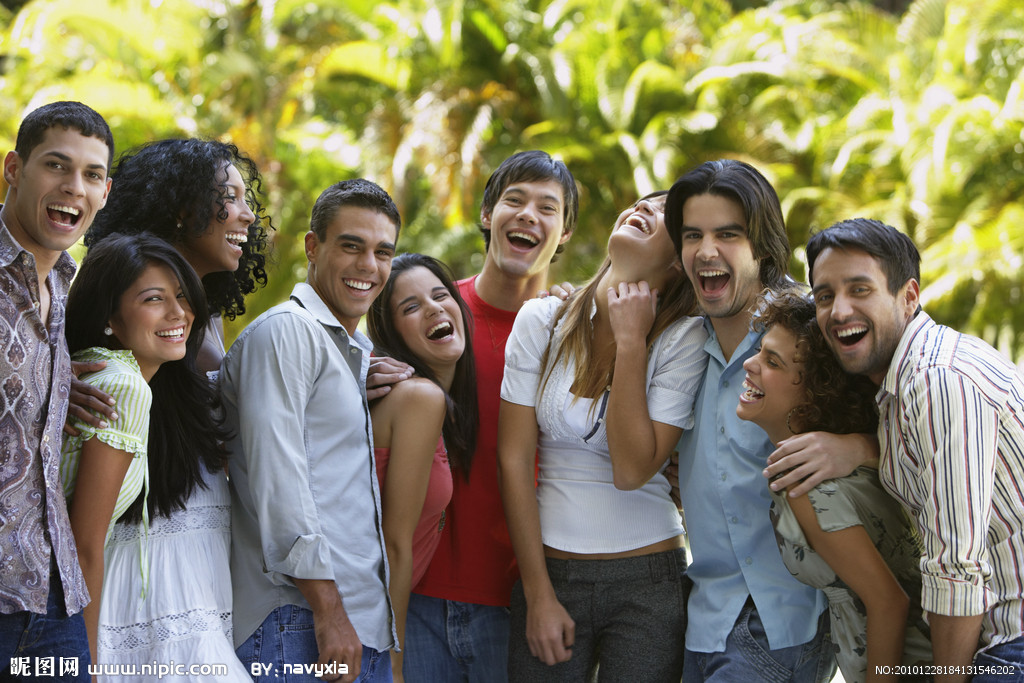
(123, 380)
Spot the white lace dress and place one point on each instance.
(185, 617)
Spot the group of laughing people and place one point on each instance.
(489, 484)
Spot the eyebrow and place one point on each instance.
(775, 355)
(850, 280)
(64, 157)
(718, 228)
(518, 191)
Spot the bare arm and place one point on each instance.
(382, 374)
(856, 560)
(806, 460)
(415, 412)
(954, 642)
(550, 631)
(638, 446)
(101, 471)
(336, 638)
(85, 396)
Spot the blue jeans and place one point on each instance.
(287, 636)
(32, 644)
(1003, 663)
(452, 642)
(749, 659)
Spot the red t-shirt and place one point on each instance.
(439, 491)
(474, 561)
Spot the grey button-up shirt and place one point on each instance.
(35, 380)
(305, 498)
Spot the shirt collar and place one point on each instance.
(311, 301)
(910, 332)
(10, 250)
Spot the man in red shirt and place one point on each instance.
(457, 627)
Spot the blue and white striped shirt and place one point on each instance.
(951, 431)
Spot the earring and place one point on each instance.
(179, 225)
(789, 416)
(108, 331)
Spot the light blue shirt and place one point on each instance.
(305, 502)
(726, 500)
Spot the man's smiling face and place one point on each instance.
(860, 318)
(527, 225)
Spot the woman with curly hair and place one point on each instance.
(847, 536)
(203, 197)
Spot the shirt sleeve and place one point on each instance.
(953, 429)
(679, 363)
(270, 377)
(130, 431)
(524, 349)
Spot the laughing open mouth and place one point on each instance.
(523, 240)
(236, 238)
(639, 223)
(440, 331)
(63, 215)
(713, 280)
(851, 335)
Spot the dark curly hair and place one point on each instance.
(170, 188)
(837, 401)
(461, 423)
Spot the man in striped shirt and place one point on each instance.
(951, 431)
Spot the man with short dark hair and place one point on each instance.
(57, 178)
(748, 618)
(458, 620)
(951, 430)
(308, 562)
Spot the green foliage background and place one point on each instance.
(914, 117)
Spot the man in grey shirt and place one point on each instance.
(308, 561)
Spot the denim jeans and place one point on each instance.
(1002, 663)
(629, 615)
(749, 659)
(53, 641)
(287, 636)
(452, 642)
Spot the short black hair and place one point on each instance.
(895, 252)
(530, 167)
(743, 184)
(358, 192)
(76, 115)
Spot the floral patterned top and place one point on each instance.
(840, 504)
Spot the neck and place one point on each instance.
(507, 292)
(45, 259)
(445, 376)
(731, 331)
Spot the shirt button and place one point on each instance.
(721, 430)
(724, 476)
(749, 560)
(734, 520)
(353, 350)
(725, 384)
(46, 438)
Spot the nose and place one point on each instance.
(707, 248)
(177, 308)
(367, 261)
(74, 185)
(841, 308)
(247, 214)
(528, 213)
(646, 206)
(750, 364)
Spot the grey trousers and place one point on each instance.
(630, 619)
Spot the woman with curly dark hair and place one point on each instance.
(847, 536)
(203, 197)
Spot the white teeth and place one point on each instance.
(358, 284)
(639, 223)
(850, 331)
(524, 236)
(711, 273)
(66, 209)
(177, 332)
(445, 327)
(237, 237)
(752, 391)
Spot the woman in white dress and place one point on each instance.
(139, 307)
(203, 197)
